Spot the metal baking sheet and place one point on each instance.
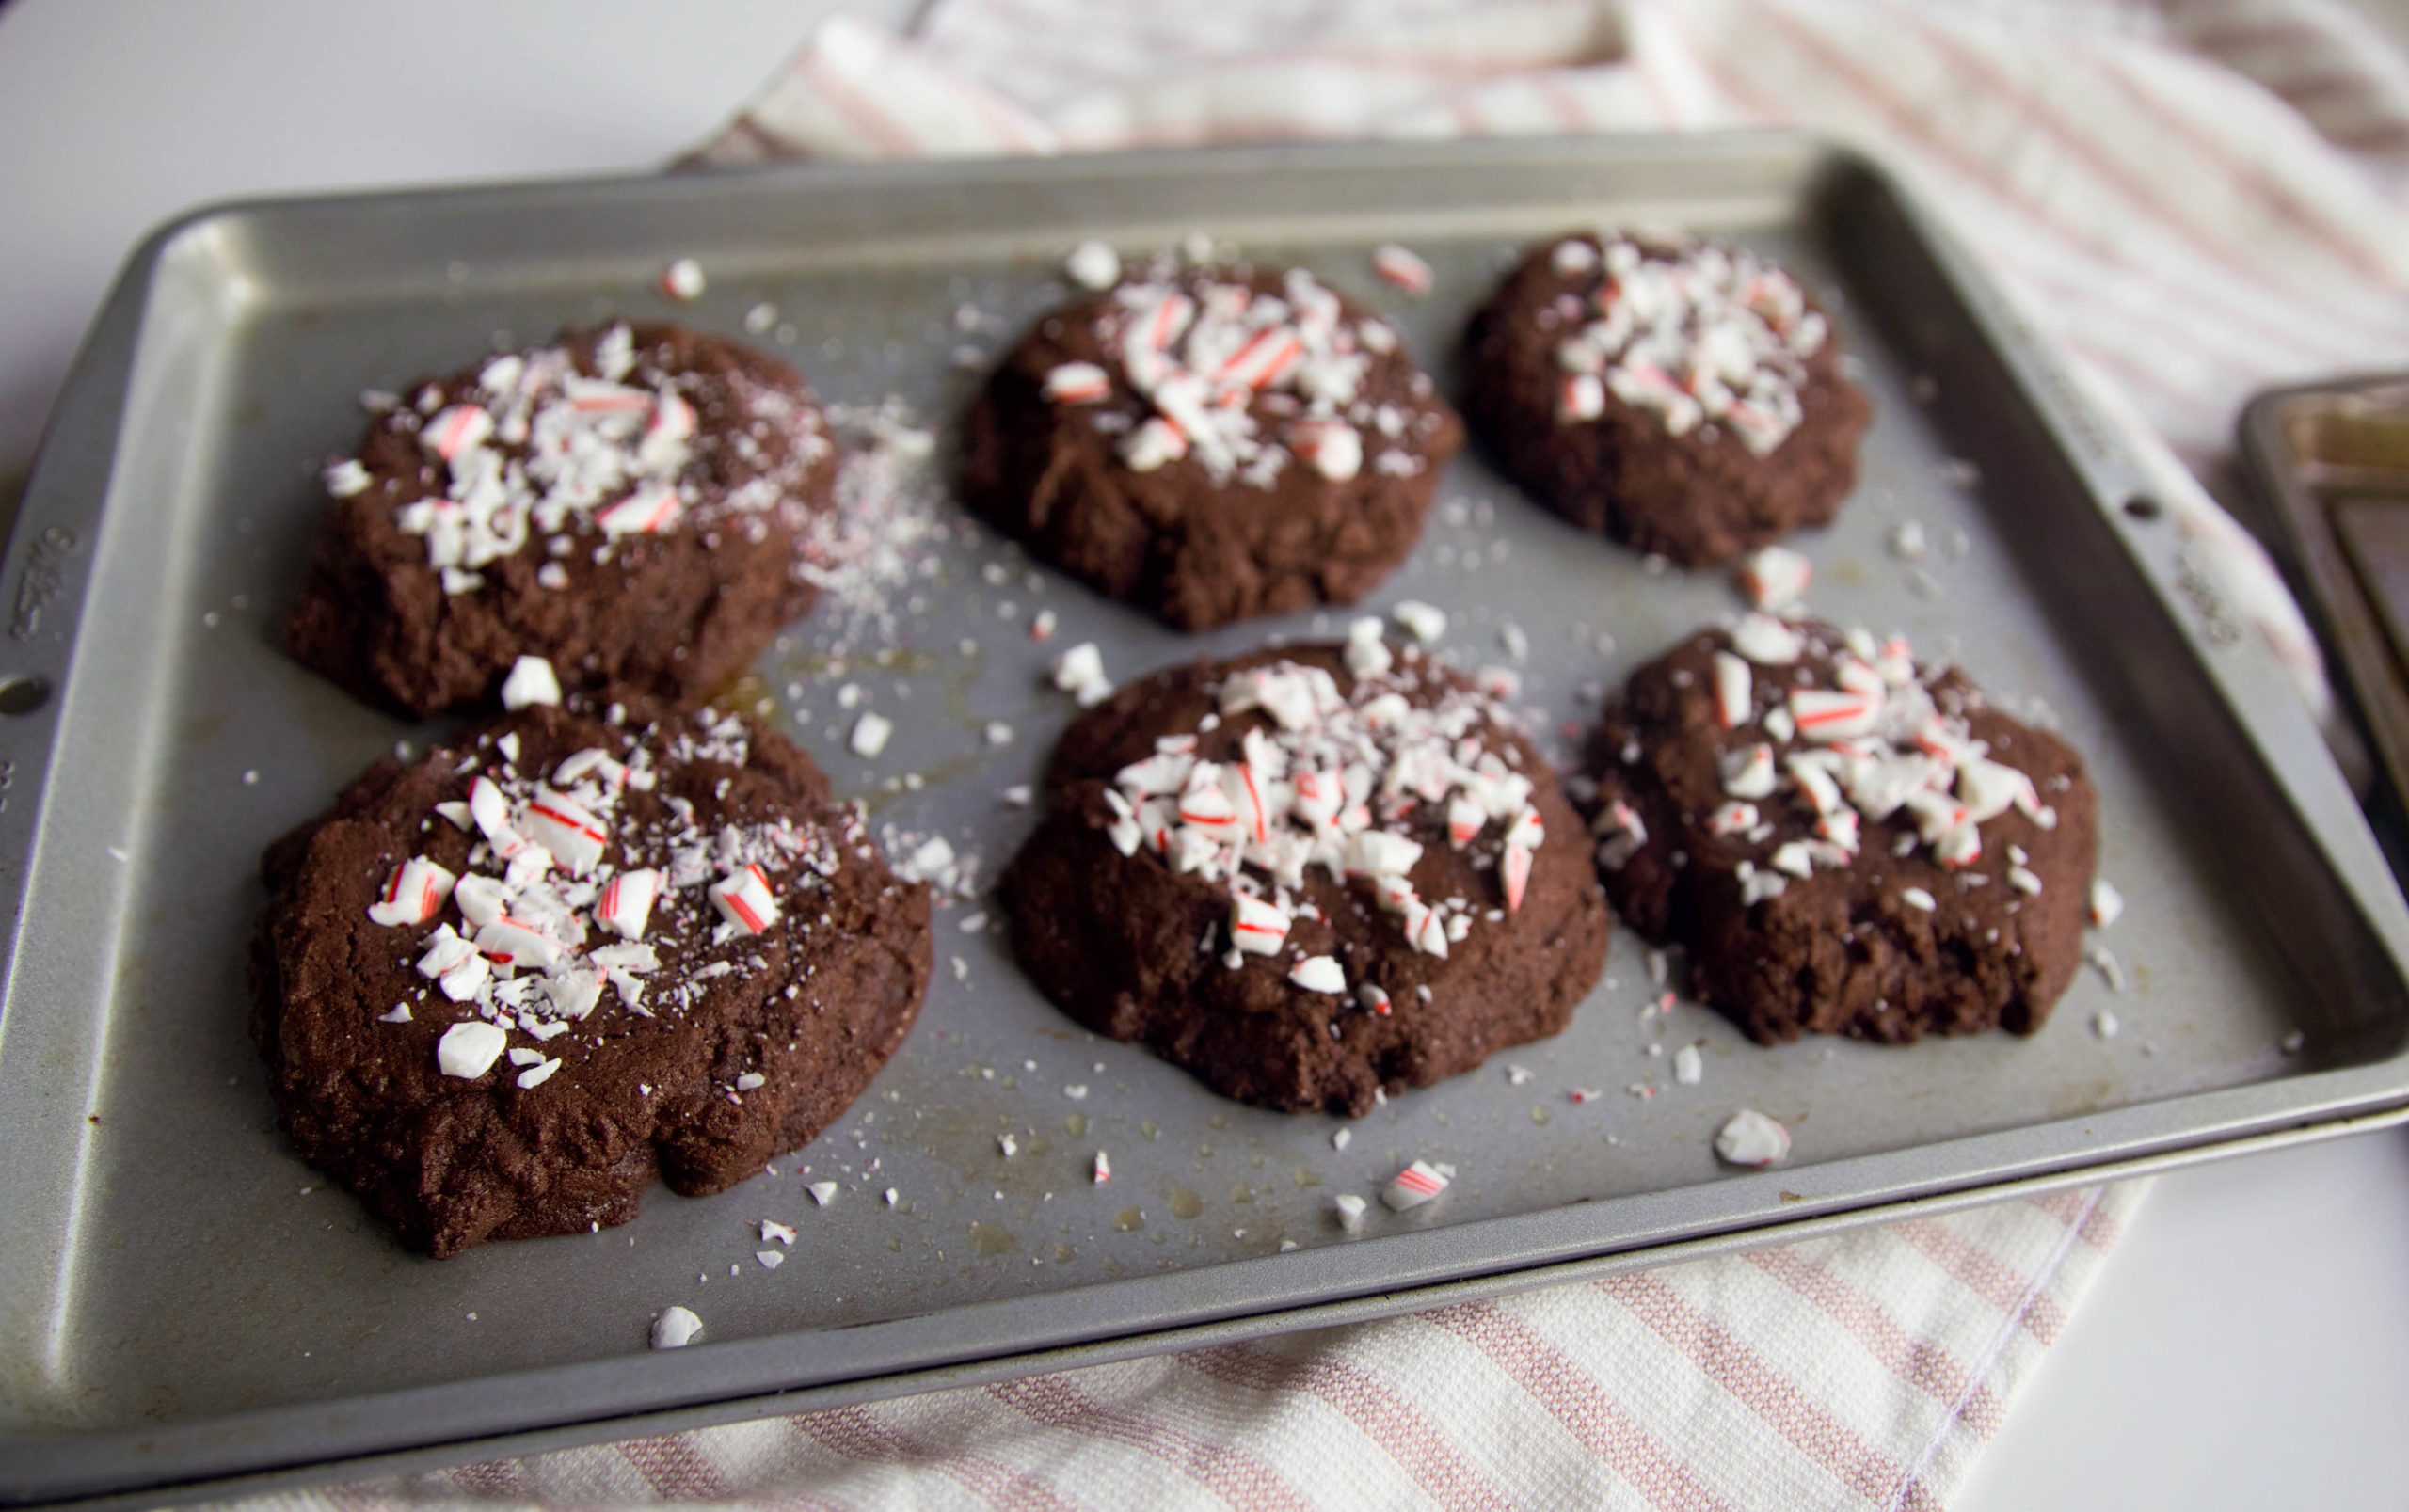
(183, 1303)
(2331, 461)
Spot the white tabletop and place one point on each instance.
(2248, 1347)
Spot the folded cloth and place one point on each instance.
(1865, 1371)
(2193, 200)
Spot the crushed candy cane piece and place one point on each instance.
(1256, 927)
(1093, 266)
(1334, 447)
(773, 1232)
(1077, 383)
(1400, 266)
(574, 836)
(822, 1192)
(1417, 1183)
(1733, 696)
(1748, 772)
(675, 1329)
(1766, 640)
(743, 899)
(626, 903)
(414, 894)
(1830, 714)
(1689, 1067)
(1426, 623)
(683, 280)
(532, 682)
(871, 732)
(1318, 974)
(1917, 897)
(648, 511)
(1102, 1171)
(1079, 672)
(1350, 1208)
(1580, 397)
(1776, 577)
(1750, 1139)
(468, 1050)
(2107, 903)
(346, 479)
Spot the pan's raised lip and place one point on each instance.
(721, 1383)
(215, 1455)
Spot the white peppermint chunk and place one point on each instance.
(1990, 788)
(1749, 772)
(1750, 1139)
(871, 732)
(347, 479)
(469, 1050)
(675, 1329)
(2107, 903)
(1766, 640)
(532, 682)
(1424, 622)
(1735, 694)
(1368, 654)
(1776, 577)
(1378, 854)
(1079, 672)
(1334, 447)
(1318, 974)
(1093, 265)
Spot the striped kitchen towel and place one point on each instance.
(1865, 1371)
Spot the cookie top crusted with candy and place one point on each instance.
(1212, 443)
(501, 988)
(1694, 333)
(1309, 875)
(1681, 395)
(1850, 841)
(628, 503)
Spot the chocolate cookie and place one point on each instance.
(1308, 875)
(1211, 444)
(1684, 398)
(501, 988)
(1848, 843)
(629, 504)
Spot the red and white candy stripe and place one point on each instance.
(412, 895)
(1077, 383)
(456, 430)
(1417, 1183)
(1401, 266)
(744, 900)
(648, 511)
(574, 836)
(626, 905)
